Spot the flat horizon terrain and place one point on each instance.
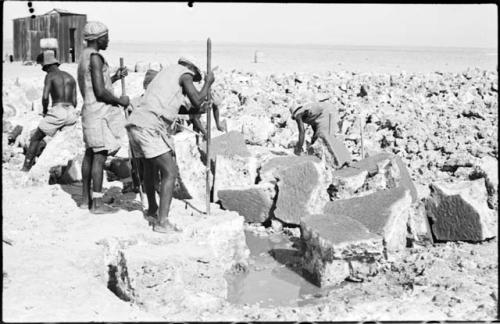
(303, 58)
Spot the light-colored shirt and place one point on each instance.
(162, 99)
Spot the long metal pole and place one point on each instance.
(130, 153)
(209, 109)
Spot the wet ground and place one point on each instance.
(274, 276)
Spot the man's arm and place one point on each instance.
(46, 94)
(300, 126)
(197, 126)
(100, 91)
(215, 110)
(196, 98)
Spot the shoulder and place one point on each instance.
(95, 57)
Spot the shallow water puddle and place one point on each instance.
(274, 277)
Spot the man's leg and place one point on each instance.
(149, 180)
(35, 140)
(98, 206)
(337, 149)
(168, 169)
(86, 178)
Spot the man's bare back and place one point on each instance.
(61, 86)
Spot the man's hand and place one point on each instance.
(121, 73)
(124, 101)
(209, 77)
(297, 150)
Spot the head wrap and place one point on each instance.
(188, 60)
(94, 29)
(150, 74)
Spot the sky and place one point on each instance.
(445, 25)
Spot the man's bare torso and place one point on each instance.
(62, 87)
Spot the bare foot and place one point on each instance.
(165, 228)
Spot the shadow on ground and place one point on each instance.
(113, 195)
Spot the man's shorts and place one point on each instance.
(149, 142)
(58, 116)
(103, 134)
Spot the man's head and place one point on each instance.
(189, 63)
(47, 59)
(96, 31)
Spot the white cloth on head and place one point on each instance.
(94, 30)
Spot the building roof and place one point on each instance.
(62, 12)
(59, 12)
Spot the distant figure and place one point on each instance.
(102, 119)
(150, 130)
(62, 89)
(323, 118)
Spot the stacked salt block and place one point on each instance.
(366, 221)
(351, 235)
(459, 211)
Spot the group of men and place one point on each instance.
(168, 93)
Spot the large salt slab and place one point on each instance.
(331, 242)
(301, 186)
(384, 213)
(459, 212)
(254, 202)
(234, 172)
(229, 144)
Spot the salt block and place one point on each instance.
(487, 168)
(229, 144)
(459, 211)
(269, 170)
(331, 242)
(379, 172)
(384, 213)
(234, 172)
(162, 272)
(320, 150)
(301, 191)
(254, 202)
(64, 146)
(418, 224)
(192, 176)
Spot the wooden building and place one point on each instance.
(64, 26)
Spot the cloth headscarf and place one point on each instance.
(94, 29)
(190, 61)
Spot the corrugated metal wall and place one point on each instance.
(28, 32)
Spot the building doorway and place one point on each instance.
(72, 53)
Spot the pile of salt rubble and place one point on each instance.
(439, 129)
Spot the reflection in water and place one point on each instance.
(274, 277)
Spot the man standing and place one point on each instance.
(102, 119)
(150, 129)
(61, 86)
(323, 118)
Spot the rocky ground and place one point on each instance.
(444, 126)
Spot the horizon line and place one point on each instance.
(226, 42)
